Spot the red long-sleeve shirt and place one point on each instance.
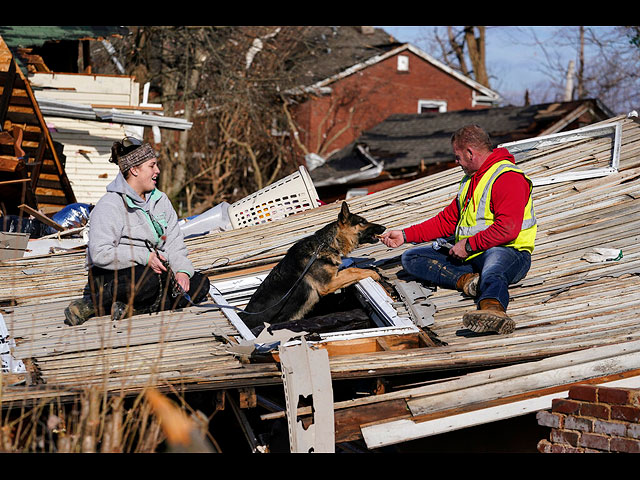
(509, 197)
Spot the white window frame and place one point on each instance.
(533, 144)
(440, 104)
(236, 293)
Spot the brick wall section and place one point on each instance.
(593, 419)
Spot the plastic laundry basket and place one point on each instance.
(285, 197)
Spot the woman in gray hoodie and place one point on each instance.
(136, 255)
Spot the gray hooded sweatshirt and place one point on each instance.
(120, 223)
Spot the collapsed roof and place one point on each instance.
(572, 301)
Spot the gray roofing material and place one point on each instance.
(330, 50)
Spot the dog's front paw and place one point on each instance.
(374, 275)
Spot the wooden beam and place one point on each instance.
(7, 91)
(10, 164)
(349, 421)
(64, 180)
(8, 182)
(38, 160)
(43, 218)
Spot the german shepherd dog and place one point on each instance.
(322, 276)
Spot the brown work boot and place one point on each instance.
(79, 311)
(490, 317)
(468, 284)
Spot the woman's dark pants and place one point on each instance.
(147, 290)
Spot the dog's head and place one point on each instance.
(356, 228)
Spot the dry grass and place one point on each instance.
(99, 423)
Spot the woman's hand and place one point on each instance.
(183, 280)
(155, 262)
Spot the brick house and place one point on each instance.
(346, 94)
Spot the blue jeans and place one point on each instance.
(498, 267)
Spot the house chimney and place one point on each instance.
(568, 89)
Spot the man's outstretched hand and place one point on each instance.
(392, 238)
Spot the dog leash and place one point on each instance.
(286, 295)
(185, 295)
(175, 286)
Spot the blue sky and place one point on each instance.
(512, 58)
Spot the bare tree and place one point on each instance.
(606, 61)
(226, 80)
(462, 45)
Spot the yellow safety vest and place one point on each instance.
(477, 216)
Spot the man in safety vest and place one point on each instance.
(492, 227)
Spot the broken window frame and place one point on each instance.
(593, 131)
(236, 293)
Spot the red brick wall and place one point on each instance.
(365, 98)
(593, 419)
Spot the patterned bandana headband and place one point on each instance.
(137, 157)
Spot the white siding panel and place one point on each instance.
(86, 98)
(88, 89)
(87, 147)
(87, 144)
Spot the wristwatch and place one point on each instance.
(404, 237)
(467, 247)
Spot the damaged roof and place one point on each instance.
(344, 51)
(577, 314)
(407, 141)
(32, 36)
(330, 50)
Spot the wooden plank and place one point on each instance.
(10, 164)
(7, 91)
(43, 218)
(405, 429)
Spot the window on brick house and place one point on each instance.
(426, 106)
(403, 63)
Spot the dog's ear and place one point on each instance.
(344, 213)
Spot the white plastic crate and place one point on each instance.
(285, 197)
